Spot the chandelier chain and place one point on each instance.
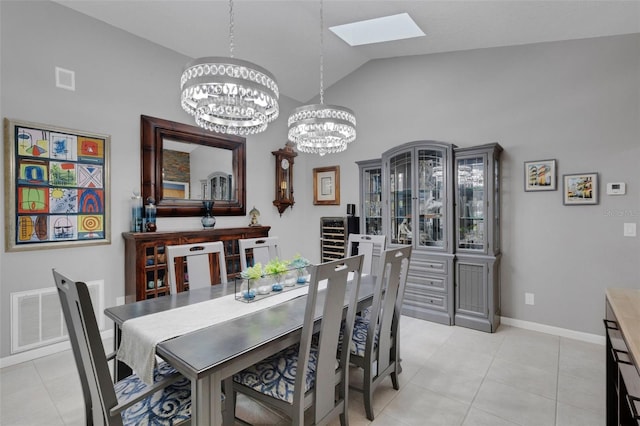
(231, 27)
(318, 128)
(321, 54)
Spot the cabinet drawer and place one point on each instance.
(426, 266)
(420, 299)
(431, 282)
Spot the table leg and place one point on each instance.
(120, 369)
(206, 401)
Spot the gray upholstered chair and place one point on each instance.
(369, 245)
(375, 345)
(307, 381)
(262, 250)
(129, 401)
(199, 264)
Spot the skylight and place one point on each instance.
(378, 30)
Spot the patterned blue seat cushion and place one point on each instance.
(359, 338)
(168, 406)
(276, 376)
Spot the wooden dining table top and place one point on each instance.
(223, 349)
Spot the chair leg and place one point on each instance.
(344, 419)
(394, 376)
(367, 392)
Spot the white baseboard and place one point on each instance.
(44, 351)
(557, 331)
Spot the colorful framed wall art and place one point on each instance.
(580, 188)
(540, 175)
(56, 187)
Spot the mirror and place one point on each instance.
(183, 165)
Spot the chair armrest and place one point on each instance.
(145, 392)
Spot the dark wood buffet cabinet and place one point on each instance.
(145, 269)
(622, 325)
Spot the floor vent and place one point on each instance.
(36, 316)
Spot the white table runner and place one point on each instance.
(141, 335)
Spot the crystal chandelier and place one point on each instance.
(318, 128)
(229, 95)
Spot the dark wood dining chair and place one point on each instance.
(371, 246)
(375, 345)
(129, 401)
(306, 381)
(257, 250)
(199, 265)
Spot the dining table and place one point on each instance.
(213, 353)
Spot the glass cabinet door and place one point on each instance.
(372, 197)
(471, 203)
(431, 196)
(400, 198)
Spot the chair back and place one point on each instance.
(199, 264)
(387, 306)
(369, 245)
(257, 250)
(88, 351)
(328, 304)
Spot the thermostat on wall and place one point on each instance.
(617, 188)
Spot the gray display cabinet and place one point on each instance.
(370, 196)
(417, 209)
(477, 223)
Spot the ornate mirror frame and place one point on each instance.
(153, 132)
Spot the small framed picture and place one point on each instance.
(580, 188)
(540, 175)
(326, 185)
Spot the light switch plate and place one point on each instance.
(629, 229)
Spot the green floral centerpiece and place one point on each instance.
(276, 268)
(300, 264)
(252, 274)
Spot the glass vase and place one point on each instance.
(302, 275)
(277, 282)
(208, 220)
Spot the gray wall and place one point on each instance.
(118, 78)
(573, 101)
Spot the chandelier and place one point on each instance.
(318, 128)
(229, 95)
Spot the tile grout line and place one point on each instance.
(555, 422)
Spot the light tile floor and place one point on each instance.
(452, 376)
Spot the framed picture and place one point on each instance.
(540, 175)
(580, 188)
(56, 187)
(326, 185)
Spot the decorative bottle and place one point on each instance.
(150, 215)
(136, 212)
(208, 220)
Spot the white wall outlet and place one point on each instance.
(529, 299)
(629, 229)
(119, 301)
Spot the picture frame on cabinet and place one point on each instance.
(580, 189)
(540, 175)
(326, 186)
(57, 187)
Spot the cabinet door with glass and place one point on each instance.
(400, 198)
(370, 196)
(418, 195)
(477, 190)
(432, 195)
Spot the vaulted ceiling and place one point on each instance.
(283, 36)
